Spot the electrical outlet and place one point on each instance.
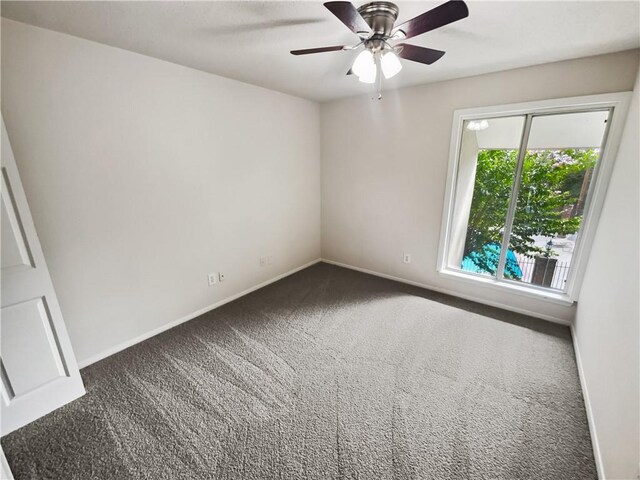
(407, 258)
(212, 278)
(263, 261)
(221, 277)
(270, 260)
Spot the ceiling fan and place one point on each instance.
(374, 22)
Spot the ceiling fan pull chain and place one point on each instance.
(379, 70)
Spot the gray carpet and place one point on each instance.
(328, 373)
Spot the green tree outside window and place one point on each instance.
(550, 200)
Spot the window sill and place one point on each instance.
(559, 298)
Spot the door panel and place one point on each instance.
(38, 369)
(30, 352)
(15, 252)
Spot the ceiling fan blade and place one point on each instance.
(418, 54)
(318, 50)
(348, 14)
(444, 14)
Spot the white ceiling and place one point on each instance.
(250, 41)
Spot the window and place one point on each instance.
(525, 185)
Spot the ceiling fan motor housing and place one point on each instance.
(380, 16)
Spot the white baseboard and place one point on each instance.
(110, 351)
(473, 298)
(587, 405)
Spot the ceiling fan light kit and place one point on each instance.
(364, 64)
(373, 23)
(390, 64)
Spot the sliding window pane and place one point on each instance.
(558, 168)
(486, 170)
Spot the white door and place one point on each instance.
(5, 471)
(38, 370)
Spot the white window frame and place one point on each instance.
(619, 103)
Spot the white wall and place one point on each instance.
(606, 327)
(384, 166)
(143, 176)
